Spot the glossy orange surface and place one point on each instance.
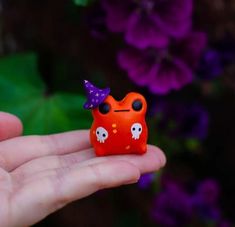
(122, 130)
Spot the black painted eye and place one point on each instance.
(104, 108)
(137, 105)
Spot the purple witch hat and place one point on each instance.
(95, 96)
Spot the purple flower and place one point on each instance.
(149, 23)
(146, 180)
(205, 201)
(166, 69)
(175, 206)
(195, 124)
(210, 65)
(172, 207)
(183, 120)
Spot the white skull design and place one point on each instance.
(136, 130)
(101, 134)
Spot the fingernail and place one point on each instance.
(132, 181)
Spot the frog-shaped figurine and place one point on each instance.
(119, 127)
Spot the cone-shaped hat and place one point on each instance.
(95, 96)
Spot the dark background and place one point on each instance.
(59, 33)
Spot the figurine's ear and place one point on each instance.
(104, 108)
(136, 101)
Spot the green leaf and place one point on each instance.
(192, 144)
(82, 2)
(22, 93)
(21, 69)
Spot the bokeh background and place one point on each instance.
(179, 53)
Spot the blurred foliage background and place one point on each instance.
(179, 53)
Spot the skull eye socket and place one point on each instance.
(104, 108)
(137, 105)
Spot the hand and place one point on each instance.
(41, 174)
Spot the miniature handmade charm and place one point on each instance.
(119, 127)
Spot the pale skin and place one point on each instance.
(41, 174)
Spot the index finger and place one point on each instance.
(10, 126)
(17, 151)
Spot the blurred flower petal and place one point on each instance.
(172, 75)
(210, 65)
(172, 207)
(174, 17)
(164, 69)
(118, 13)
(149, 23)
(190, 48)
(146, 180)
(142, 32)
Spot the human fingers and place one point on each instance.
(44, 163)
(17, 151)
(10, 126)
(153, 160)
(53, 192)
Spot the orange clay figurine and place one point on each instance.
(119, 127)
